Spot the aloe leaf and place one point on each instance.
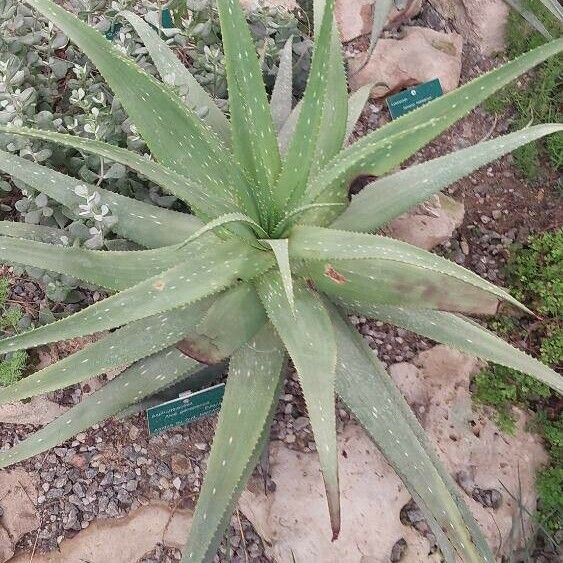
(141, 379)
(381, 10)
(118, 349)
(204, 274)
(254, 140)
(172, 70)
(110, 269)
(225, 220)
(400, 283)
(282, 94)
(387, 197)
(175, 135)
(381, 151)
(367, 390)
(204, 202)
(210, 330)
(287, 131)
(304, 333)
(356, 104)
(530, 17)
(302, 148)
(332, 132)
(280, 248)
(253, 387)
(464, 335)
(27, 231)
(554, 7)
(355, 107)
(140, 222)
(384, 268)
(280, 228)
(233, 319)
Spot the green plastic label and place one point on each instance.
(167, 22)
(185, 409)
(414, 97)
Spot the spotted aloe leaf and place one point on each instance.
(365, 387)
(356, 104)
(280, 248)
(208, 331)
(379, 152)
(335, 102)
(137, 221)
(530, 17)
(27, 231)
(282, 94)
(112, 270)
(387, 197)
(175, 73)
(207, 203)
(254, 140)
(235, 317)
(206, 273)
(460, 333)
(303, 333)
(228, 218)
(175, 135)
(357, 265)
(143, 378)
(119, 349)
(301, 152)
(555, 8)
(381, 10)
(253, 387)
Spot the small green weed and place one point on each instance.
(12, 366)
(501, 388)
(541, 97)
(550, 479)
(535, 276)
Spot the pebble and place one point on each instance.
(180, 464)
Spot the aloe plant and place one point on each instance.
(268, 264)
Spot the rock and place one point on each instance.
(469, 442)
(103, 541)
(428, 224)
(399, 550)
(480, 22)
(180, 464)
(294, 521)
(38, 411)
(421, 55)
(19, 516)
(355, 17)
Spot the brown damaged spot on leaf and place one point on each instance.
(159, 285)
(335, 276)
(200, 349)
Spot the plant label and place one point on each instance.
(414, 97)
(167, 22)
(185, 410)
